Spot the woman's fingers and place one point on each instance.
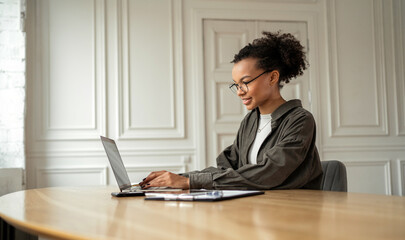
(167, 179)
(154, 179)
(152, 176)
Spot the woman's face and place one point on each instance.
(260, 91)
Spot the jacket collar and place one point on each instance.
(280, 112)
(284, 108)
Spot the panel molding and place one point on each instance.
(337, 128)
(386, 164)
(401, 173)
(274, 1)
(368, 148)
(175, 130)
(220, 141)
(80, 170)
(42, 112)
(77, 153)
(399, 52)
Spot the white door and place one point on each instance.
(224, 110)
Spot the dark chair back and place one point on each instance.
(334, 176)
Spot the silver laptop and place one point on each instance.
(121, 174)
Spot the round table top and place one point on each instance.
(92, 213)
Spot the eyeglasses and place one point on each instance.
(244, 85)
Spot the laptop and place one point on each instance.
(121, 175)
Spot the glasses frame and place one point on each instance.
(237, 86)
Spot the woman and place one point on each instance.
(275, 145)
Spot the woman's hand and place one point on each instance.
(165, 179)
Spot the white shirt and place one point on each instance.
(262, 132)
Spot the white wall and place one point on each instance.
(133, 71)
(363, 93)
(95, 69)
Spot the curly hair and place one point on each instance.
(276, 51)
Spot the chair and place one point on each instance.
(334, 176)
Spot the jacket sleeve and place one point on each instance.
(277, 164)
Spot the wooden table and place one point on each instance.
(91, 213)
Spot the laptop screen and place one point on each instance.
(116, 163)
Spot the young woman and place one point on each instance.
(275, 145)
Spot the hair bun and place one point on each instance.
(281, 51)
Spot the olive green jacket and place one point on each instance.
(287, 159)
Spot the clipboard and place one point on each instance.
(201, 195)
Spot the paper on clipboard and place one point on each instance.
(200, 195)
